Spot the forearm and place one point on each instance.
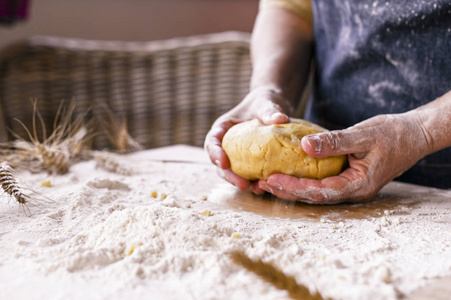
(281, 50)
(435, 118)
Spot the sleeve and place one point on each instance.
(302, 8)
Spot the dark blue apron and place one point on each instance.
(382, 57)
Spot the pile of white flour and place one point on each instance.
(164, 232)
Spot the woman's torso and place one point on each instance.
(382, 57)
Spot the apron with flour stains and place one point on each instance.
(382, 57)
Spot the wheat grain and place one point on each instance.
(274, 276)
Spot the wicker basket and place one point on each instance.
(170, 91)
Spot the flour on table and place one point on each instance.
(104, 236)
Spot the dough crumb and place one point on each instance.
(206, 213)
(46, 183)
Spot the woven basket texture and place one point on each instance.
(170, 92)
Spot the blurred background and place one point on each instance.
(169, 68)
(131, 20)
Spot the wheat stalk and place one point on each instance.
(274, 276)
(56, 153)
(109, 163)
(117, 131)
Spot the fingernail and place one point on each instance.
(276, 185)
(276, 115)
(218, 163)
(264, 186)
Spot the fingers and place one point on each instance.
(234, 179)
(262, 103)
(240, 182)
(256, 189)
(273, 114)
(274, 117)
(265, 109)
(263, 184)
(351, 185)
(295, 189)
(268, 105)
(213, 144)
(335, 143)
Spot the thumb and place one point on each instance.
(335, 143)
(273, 114)
(270, 105)
(275, 118)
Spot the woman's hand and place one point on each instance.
(379, 149)
(263, 103)
(281, 49)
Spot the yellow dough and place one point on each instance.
(257, 151)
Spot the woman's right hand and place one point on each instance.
(265, 103)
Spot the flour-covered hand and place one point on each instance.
(379, 149)
(263, 103)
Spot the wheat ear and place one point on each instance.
(56, 153)
(10, 185)
(117, 131)
(274, 276)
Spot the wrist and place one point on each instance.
(270, 87)
(275, 94)
(286, 81)
(435, 121)
(417, 131)
(265, 75)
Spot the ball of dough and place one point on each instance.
(256, 151)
